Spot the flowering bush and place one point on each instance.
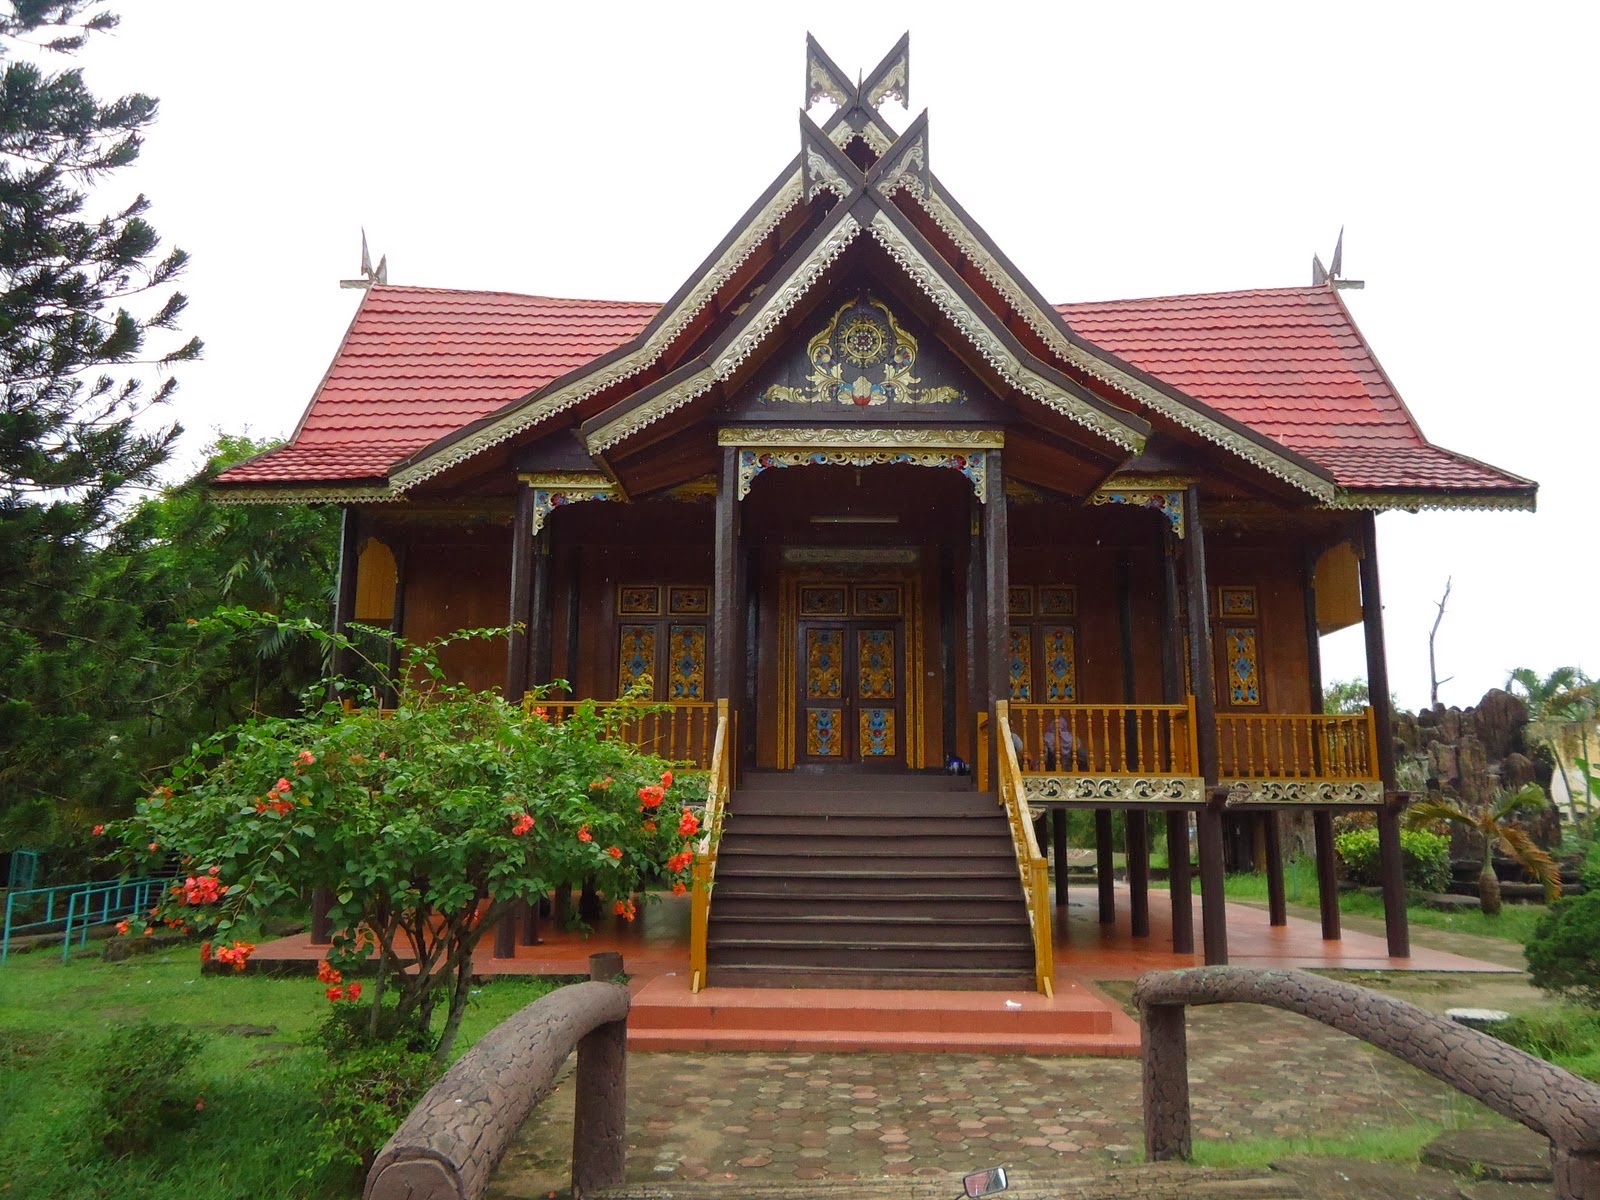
(425, 822)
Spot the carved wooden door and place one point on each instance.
(850, 707)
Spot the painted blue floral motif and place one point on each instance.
(877, 732)
(1060, 664)
(822, 734)
(637, 656)
(973, 464)
(1244, 681)
(824, 677)
(1021, 664)
(686, 644)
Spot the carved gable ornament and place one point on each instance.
(863, 357)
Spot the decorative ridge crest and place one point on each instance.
(1416, 501)
(377, 494)
(904, 164)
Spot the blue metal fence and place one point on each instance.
(71, 908)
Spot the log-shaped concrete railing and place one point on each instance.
(1553, 1102)
(449, 1146)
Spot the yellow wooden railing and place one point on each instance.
(705, 855)
(1297, 746)
(1106, 739)
(679, 732)
(1030, 862)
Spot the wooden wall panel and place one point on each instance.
(1274, 570)
(461, 584)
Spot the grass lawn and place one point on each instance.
(260, 1110)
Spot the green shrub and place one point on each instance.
(1564, 951)
(365, 1089)
(1426, 857)
(143, 1083)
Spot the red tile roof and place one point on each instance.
(420, 363)
(1289, 363)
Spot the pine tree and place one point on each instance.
(87, 316)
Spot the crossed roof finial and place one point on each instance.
(856, 115)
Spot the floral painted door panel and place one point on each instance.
(849, 708)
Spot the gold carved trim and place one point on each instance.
(907, 169)
(565, 479)
(1365, 793)
(834, 437)
(1417, 501)
(1164, 493)
(1046, 326)
(994, 351)
(758, 325)
(974, 464)
(546, 498)
(1115, 789)
(594, 382)
(313, 495)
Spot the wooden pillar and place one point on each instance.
(727, 613)
(397, 623)
(1178, 879)
(530, 924)
(997, 581)
(344, 604)
(520, 616)
(1321, 819)
(949, 588)
(321, 927)
(1138, 848)
(1165, 1054)
(1327, 873)
(977, 686)
(574, 560)
(1213, 917)
(1389, 858)
(505, 932)
(1104, 876)
(1178, 882)
(541, 629)
(1277, 913)
(1058, 850)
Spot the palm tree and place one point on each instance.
(1553, 705)
(1493, 823)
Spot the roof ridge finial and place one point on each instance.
(369, 274)
(1332, 275)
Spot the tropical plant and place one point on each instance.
(1345, 696)
(1494, 823)
(1564, 952)
(1559, 705)
(1425, 857)
(426, 822)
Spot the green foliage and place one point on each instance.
(144, 1084)
(364, 1093)
(409, 817)
(1564, 951)
(1345, 696)
(1568, 1037)
(1426, 857)
(81, 296)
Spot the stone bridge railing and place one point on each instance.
(1553, 1102)
(449, 1146)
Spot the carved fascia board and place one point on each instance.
(1310, 793)
(1115, 789)
(329, 494)
(906, 163)
(556, 489)
(1164, 493)
(1007, 363)
(841, 128)
(762, 449)
(758, 324)
(827, 168)
(891, 78)
(578, 386)
(1418, 501)
(1047, 324)
(824, 79)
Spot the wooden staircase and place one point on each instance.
(867, 880)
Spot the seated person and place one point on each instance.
(1071, 755)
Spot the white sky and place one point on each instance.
(1111, 150)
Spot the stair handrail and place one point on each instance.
(1031, 865)
(705, 856)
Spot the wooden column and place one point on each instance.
(727, 614)
(574, 559)
(344, 604)
(505, 932)
(1213, 918)
(1104, 876)
(1277, 913)
(1178, 885)
(977, 687)
(520, 616)
(1058, 851)
(1322, 818)
(1389, 859)
(542, 628)
(997, 583)
(1137, 828)
(397, 623)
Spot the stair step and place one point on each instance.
(1076, 1017)
(864, 867)
(869, 930)
(868, 825)
(875, 977)
(909, 846)
(977, 958)
(832, 781)
(745, 905)
(940, 805)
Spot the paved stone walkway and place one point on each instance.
(770, 1118)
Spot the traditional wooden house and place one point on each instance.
(858, 501)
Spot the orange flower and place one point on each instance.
(649, 826)
(327, 973)
(652, 795)
(305, 758)
(122, 927)
(666, 779)
(98, 830)
(521, 825)
(624, 909)
(679, 887)
(205, 952)
(584, 835)
(353, 992)
(679, 861)
(614, 851)
(689, 826)
(335, 994)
